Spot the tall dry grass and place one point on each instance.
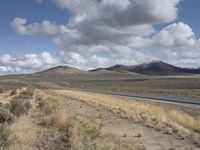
(81, 134)
(59, 120)
(164, 118)
(85, 136)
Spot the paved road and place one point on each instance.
(161, 98)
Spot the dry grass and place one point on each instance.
(9, 113)
(81, 135)
(159, 117)
(19, 107)
(13, 92)
(26, 134)
(5, 137)
(1, 90)
(85, 136)
(6, 117)
(59, 120)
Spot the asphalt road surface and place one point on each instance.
(154, 97)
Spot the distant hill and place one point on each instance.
(60, 70)
(162, 68)
(120, 68)
(116, 68)
(156, 68)
(100, 70)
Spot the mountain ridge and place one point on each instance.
(157, 68)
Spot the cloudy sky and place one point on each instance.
(39, 34)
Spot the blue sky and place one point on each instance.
(189, 13)
(15, 44)
(82, 42)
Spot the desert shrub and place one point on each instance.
(86, 136)
(1, 90)
(6, 106)
(19, 107)
(48, 105)
(5, 137)
(77, 132)
(1, 104)
(27, 93)
(13, 92)
(6, 116)
(59, 120)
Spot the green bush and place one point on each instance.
(19, 107)
(5, 116)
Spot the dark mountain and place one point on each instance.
(161, 68)
(116, 68)
(156, 68)
(119, 68)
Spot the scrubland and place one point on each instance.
(79, 134)
(161, 118)
(35, 120)
(32, 119)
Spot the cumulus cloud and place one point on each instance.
(175, 35)
(178, 44)
(101, 33)
(44, 28)
(121, 13)
(26, 64)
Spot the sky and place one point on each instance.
(39, 34)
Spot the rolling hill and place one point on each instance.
(60, 70)
(156, 68)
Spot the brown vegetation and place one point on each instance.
(80, 134)
(5, 136)
(6, 117)
(161, 118)
(8, 113)
(19, 107)
(52, 124)
(1, 90)
(13, 92)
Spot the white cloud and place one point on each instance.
(20, 26)
(175, 35)
(27, 63)
(126, 12)
(101, 33)
(178, 44)
(6, 70)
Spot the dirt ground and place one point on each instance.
(132, 133)
(31, 136)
